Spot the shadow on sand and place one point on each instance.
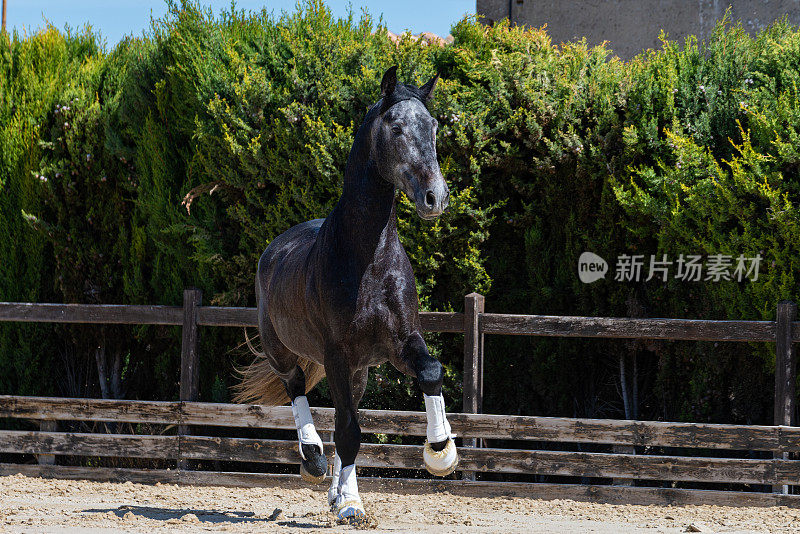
(210, 516)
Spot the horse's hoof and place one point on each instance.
(351, 513)
(440, 463)
(313, 464)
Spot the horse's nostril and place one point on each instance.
(430, 199)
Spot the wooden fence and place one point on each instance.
(770, 446)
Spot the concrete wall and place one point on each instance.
(631, 26)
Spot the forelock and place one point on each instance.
(401, 92)
(407, 108)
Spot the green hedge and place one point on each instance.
(549, 150)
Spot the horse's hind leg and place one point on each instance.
(347, 502)
(313, 463)
(439, 452)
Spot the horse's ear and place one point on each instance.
(427, 90)
(389, 81)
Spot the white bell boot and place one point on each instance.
(313, 463)
(333, 491)
(440, 463)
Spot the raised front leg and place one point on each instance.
(439, 453)
(347, 502)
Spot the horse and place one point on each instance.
(337, 296)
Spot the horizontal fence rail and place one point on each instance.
(489, 323)
(489, 426)
(90, 313)
(172, 315)
(564, 463)
(616, 327)
(583, 492)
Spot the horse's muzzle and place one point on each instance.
(432, 202)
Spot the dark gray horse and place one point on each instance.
(337, 295)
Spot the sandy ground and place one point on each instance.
(42, 505)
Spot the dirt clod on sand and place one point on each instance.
(30, 504)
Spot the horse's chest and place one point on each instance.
(378, 318)
(375, 319)
(374, 333)
(370, 308)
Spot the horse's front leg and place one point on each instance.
(439, 452)
(345, 500)
(359, 386)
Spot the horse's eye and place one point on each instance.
(397, 130)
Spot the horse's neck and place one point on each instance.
(365, 219)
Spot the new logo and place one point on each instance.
(591, 267)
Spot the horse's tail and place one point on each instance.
(260, 385)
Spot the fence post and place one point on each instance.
(189, 386)
(785, 373)
(47, 425)
(473, 364)
(624, 449)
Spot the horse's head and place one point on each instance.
(404, 144)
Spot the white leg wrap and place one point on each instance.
(348, 503)
(306, 433)
(348, 486)
(438, 427)
(440, 463)
(333, 491)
